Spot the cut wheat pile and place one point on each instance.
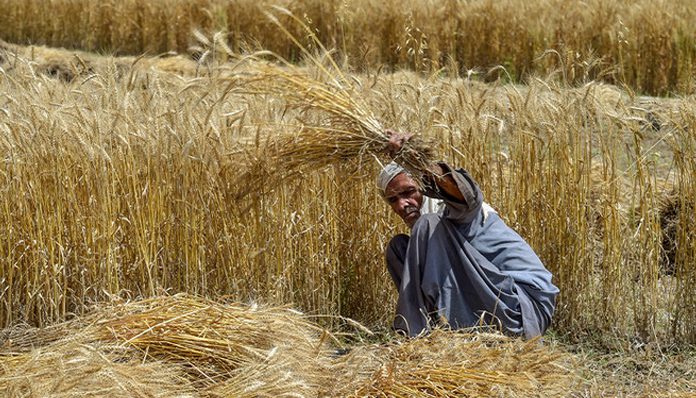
(464, 364)
(73, 369)
(205, 346)
(187, 346)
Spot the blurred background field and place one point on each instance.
(124, 177)
(646, 45)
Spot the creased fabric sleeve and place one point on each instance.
(459, 212)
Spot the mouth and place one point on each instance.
(411, 213)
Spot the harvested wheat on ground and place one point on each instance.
(189, 346)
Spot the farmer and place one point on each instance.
(461, 266)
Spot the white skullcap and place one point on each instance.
(387, 174)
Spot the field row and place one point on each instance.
(646, 45)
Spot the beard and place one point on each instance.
(408, 210)
(411, 214)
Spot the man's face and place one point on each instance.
(405, 198)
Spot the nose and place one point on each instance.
(403, 203)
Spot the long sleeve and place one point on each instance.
(458, 211)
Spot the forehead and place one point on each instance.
(402, 182)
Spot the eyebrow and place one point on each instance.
(403, 191)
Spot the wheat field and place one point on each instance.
(646, 45)
(127, 178)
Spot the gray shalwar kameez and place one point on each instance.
(466, 266)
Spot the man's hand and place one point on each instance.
(441, 175)
(397, 139)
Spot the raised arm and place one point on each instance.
(460, 192)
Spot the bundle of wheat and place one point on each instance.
(74, 369)
(68, 65)
(220, 349)
(22, 338)
(269, 378)
(461, 364)
(214, 340)
(336, 126)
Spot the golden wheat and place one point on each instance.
(127, 179)
(645, 45)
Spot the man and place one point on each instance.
(462, 266)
